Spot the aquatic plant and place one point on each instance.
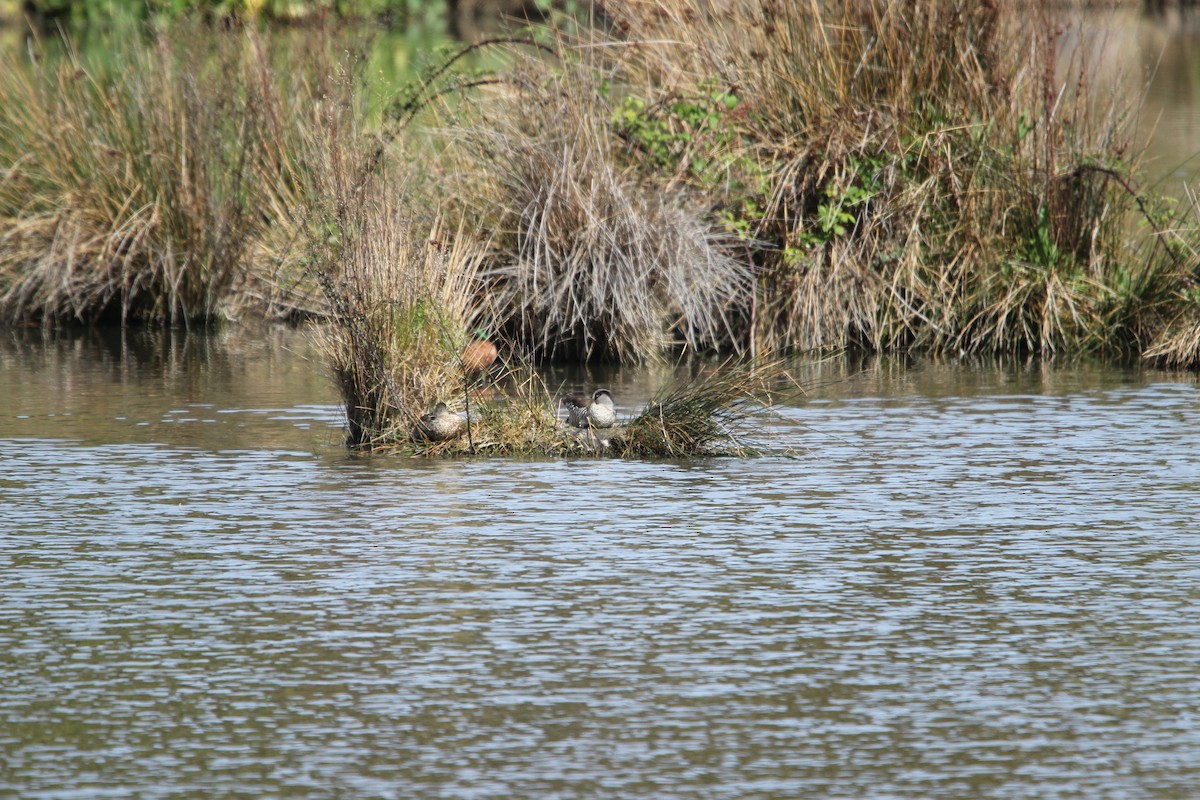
(937, 176)
(401, 293)
(405, 299)
(124, 197)
(706, 412)
(588, 260)
(142, 187)
(709, 409)
(744, 178)
(1176, 332)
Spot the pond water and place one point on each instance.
(1156, 58)
(948, 581)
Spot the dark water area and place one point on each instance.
(948, 580)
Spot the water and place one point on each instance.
(950, 581)
(1155, 60)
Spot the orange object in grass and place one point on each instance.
(478, 356)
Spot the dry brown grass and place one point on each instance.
(1176, 341)
(710, 411)
(147, 186)
(936, 176)
(402, 295)
(590, 260)
(404, 302)
(751, 176)
(119, 200)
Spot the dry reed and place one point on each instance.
(590, 260)
(401, 293)
(121, 201)
(708, 412)
(143, 187)
(754, 176)
(928, 177)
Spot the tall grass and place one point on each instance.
(590, 259)
(139, 187)
(745, 177)
(400, 285)
(401, 300)
(709, 411)
(405, 298)
(1176, 341)
(125, 203)
(907, 175)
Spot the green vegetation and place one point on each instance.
(756, 178)
(461, 18)
(905, 177)
(119, 11)
(154, 187)
(590, 258)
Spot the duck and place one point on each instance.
(596, 411)
(439, 425)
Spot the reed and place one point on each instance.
(401, 294)
(738, 177)
(707, 412)
(141, 186)
(404, 300)
(405, 297)
(1174, 340)
(121, 201)
(937, 176)
(589, 259)
(315, 106)
(710, 409)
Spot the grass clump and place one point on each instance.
(141, 187)
(705, 413)
(749, 177)
(404, 298)
(401, 299)
(937, 176)
(1176, 341)
(590, 260)
(127, 194)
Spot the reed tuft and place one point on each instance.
(143, 186)
(940, 176)
(401, 295)
(706, 413)
(129, 188)
(590, 260)
(745, 177)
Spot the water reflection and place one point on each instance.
(1130, 54)
(264, 387)
(965, 581)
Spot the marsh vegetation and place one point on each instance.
(740, 179)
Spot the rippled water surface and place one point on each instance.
(950, 581)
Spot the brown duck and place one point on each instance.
(439, 425)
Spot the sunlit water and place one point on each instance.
(950, 581)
